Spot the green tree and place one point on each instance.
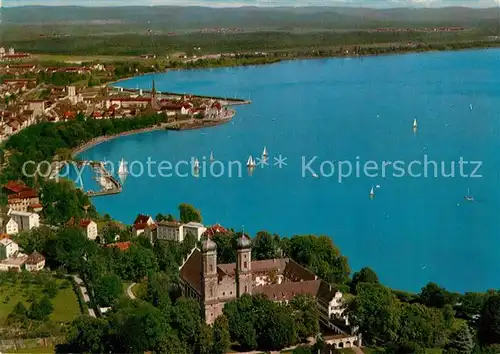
(306, 316)
(67, 248)
(489, 322)
(365, 275)
(461, 341)
(186, 320)
(279, 330)
(40, 310)
(188, 213)
(225, 247)
(141, 262)
(205, 340)
(491, 349)
(189, 242)
(108, 289)
(139, 328)
(221, 336)
(170, 343)
(375, 311)
(321, 256)
(87, 335)
(242, 316)
(265, 246)
(158, 291)
(434, 296)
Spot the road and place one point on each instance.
(84, 292)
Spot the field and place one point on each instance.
(65, 302)
(48, 350)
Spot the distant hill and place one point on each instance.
(173, 18)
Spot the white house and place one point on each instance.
(194, 228)
(90, 228)
(170, 231)
(35, 262)
(8, 248)
(11, 228)
(142, 223)
(186, 108)
(25, 220)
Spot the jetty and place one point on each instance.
(109, 184)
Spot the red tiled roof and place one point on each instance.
(14, 186)
(84, 223)
(215, 229)
(122, 246)
(141, 219)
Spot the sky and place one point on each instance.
(230, 3)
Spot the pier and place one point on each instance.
(109, 184)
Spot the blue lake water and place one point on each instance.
(415, 230)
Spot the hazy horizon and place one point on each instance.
(259, 3)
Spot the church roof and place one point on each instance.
(287, 291)
(191, 271)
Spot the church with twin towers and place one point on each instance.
(279, 279)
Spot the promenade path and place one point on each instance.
(129, 291)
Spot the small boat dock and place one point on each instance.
(109, 184)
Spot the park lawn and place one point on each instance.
(46, 350)
(66, 307)
(125, 285)
(65, 303)
(139, 290)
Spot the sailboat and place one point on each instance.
(250, 162)
(196, 164)
(264, 153)
(212, 159)
(122, 169)
(470, 106)
(372, 193)
(469, 197)
(415, 125)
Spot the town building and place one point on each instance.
(8, 248)
(35, 262)
(20, 197)
(143, 224)
(170, 231)
(195, 228)
(213, 285)
(25, 220)
(11, 227)
(86, 225)
(90, 228)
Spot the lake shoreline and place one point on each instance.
(271, 61)
(173, 126)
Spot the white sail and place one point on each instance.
(372, 192)
(122, 169)
(415, 123)
(196, 164)
(212, 156)
(250, 162)
(264, 153)
(470, 106)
